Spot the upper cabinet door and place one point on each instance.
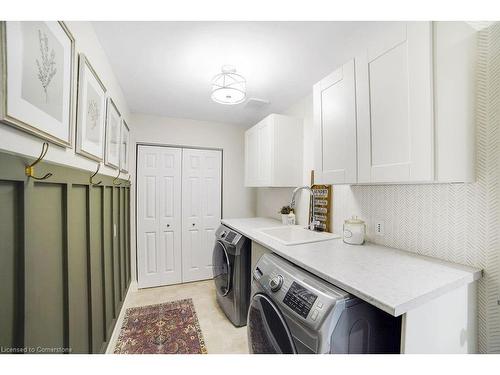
(335, 127)
(251, 157)
(273, 152)
(395, 117)
(265, 159)
(258, 157)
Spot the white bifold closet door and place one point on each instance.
(201, 211)
(178, 211)
(159, 216)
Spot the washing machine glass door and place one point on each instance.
(267, 329)
(222, 269)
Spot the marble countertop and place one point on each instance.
(395, 281)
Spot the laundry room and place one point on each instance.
(244, 184)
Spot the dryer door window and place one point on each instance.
(267, 330)
(222, 269)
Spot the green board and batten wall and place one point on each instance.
(64, 258)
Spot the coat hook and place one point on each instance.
(116, 178)
(91, 177)
(29, 170)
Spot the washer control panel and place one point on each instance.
(300, 299)
(296, 291)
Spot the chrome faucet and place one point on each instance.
(312, 224)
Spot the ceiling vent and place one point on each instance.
(256, 103)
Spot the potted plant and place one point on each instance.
(285, 211)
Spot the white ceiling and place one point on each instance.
(165, 68)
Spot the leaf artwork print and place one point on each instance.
(45, 70)
(47, 64)
(93, 113)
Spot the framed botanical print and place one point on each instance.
(37, 66)
(91, 117)
(113, 129)
(124, 147)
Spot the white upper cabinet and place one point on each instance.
(395, 134)
(273, 152)
(455, 56)
(251, 156)
(335, 127)
(406, 113)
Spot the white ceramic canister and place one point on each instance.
(354, 231)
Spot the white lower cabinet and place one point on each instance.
(178, 211)
(401, 109)
(273, 152)
(445, 325)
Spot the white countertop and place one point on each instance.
(393, 280)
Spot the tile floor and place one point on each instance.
(221, 337)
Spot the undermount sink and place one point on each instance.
(296, 235)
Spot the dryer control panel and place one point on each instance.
(227, 235)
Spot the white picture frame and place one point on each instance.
(113, 135)
(124, 147)
(91, 112)
(38, 79)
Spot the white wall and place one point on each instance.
(455, 222)
(237, 201)
(18, 142)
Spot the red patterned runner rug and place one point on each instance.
(166, 328)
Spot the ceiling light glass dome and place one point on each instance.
(228, 87)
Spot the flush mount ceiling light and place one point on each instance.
(228, 87)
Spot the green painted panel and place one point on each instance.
(116, 253)
(47, 254)
(44, 266)
(108, 260)
(96, 269)
(127, 232)
(10, 252)
(123, 250)
(78, 292)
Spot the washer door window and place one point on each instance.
(222, 269)
(268, 332)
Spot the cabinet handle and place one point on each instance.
(192, 224)
(168, 225)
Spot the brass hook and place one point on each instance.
(116, 178)
(29, 170)
(91, 177)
